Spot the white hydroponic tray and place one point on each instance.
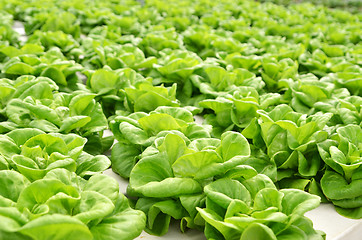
(324, 218)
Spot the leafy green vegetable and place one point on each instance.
(239, 110)
(340, 182)
(291, 140)
(34, 153)
(117, 56)
(64, 202)
(35, 103)
(139, 130)
(253, 208)
(180, 171)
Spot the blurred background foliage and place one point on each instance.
(353, 6)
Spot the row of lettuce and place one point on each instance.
(353, 6)
(281, 104)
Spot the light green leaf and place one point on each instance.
(56, 227)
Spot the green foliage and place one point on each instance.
(254, 209)
(220, 119)
(343, 158)
(139, 130)
(34, 153)
(63, 205)
(178, 169)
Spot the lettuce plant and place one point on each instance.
(177, 66)
(91, 18)
(117, 56)
(291, 142)
(174, 174)
(34, 153)
(139, 130)
(207, 42)
(144, 97)
(238, 110)
(253, 208)
(65, 42)
(217, 81)
(129, 25)
(273, 71)
(31, 60)
(346, 109)
(126, 90)
(159, 39)
(251, 63)
(63, 205)
(306, 91)
(28, 48)
(278, 48)
(109, 85)
(105, 36)
(100, 36)
(340, 181)
(49, 21)
(25, 86)
(76, 112)
(34, 102)
(349, 78)
(320, 64)
(196, 39)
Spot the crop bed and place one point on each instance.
(230, 118)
